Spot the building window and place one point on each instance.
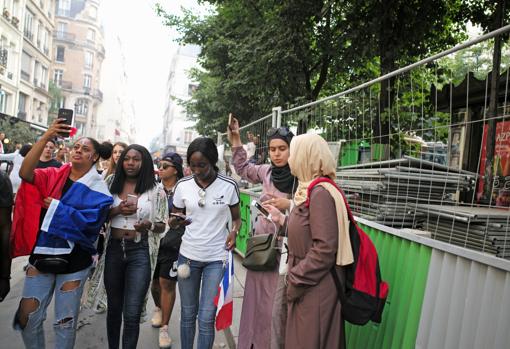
(87, 81)
(89, 58)
(58, 74)
(91, 35)
(191, 88)
(188, 136)
(27, 29)
(64, 8)
(93, 12)
(46, 42)
(26, 63)
(61, 29)
(22, 102)
(60, 54)
(3, 101)
(44, 77)
(82, 106)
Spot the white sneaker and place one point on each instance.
(156, 318)
(164, 339)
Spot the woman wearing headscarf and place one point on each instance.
(263, 314)
(318, 230)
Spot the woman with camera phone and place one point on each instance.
(264, 308)
(137, 217)
(64, 219)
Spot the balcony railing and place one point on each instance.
(60, 35)
(25, 76)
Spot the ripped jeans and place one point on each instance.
(41, 287)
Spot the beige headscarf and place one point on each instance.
(310, 158)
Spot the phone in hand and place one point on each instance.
(229, 120)
(67, 115)
(181, 217)
(132, 200)
(259, 207)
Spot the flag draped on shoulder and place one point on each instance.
(76, 218)
(224, 300)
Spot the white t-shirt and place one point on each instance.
(204, 239)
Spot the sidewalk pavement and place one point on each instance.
(91, 332)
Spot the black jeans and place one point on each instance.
(127, 275)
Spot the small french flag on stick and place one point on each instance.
(224, 299)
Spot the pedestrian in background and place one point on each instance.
(318, 237)
(17, 159)
(137, 217)
(75, 203)
(264, 306)
(46, 160)
(118, 148)
(206, 202)
(6, 202)
(164, 278)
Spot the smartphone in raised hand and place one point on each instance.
(67, 115)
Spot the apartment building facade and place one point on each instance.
(11, 46)
(35, 61)
(78, 53)
(178, 129)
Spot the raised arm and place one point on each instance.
(246, 170)
(26, 172)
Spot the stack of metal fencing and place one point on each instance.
(388, 192)
(480, 228)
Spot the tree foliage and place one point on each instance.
(257, 54)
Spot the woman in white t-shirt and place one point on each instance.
(210, 200)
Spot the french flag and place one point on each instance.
(224, 299)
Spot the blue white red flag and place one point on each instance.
(224, 299)
(77, 217)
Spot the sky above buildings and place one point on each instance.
(148, 47)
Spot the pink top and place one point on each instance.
(257, 174)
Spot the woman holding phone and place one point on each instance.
(210, 200)
(70, 205)
(137, 217)
(263, 314)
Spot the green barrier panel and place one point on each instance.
(349, 154)
(244, 232)
(404, 265)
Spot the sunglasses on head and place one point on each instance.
(281, 131)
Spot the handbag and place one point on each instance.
(261, 253)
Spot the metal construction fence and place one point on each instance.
(412, 145)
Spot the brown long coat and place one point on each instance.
(313, 318)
